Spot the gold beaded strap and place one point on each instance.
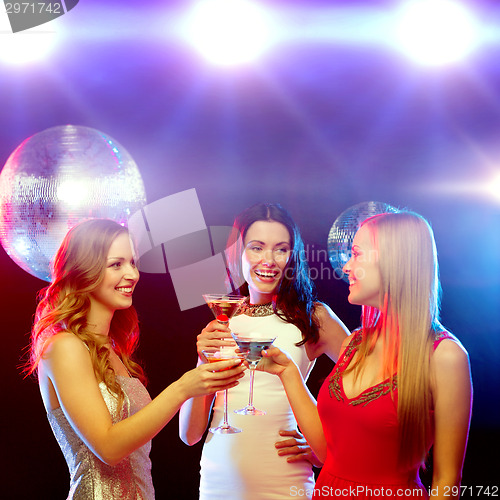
(370, 394)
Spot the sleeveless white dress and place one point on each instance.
(246, 466)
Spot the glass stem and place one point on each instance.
(225, 423)
(250, 394)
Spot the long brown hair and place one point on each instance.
(294, 301)
(77, 270)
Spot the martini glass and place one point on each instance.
(251, 348)
(224, 307)
(214, 357)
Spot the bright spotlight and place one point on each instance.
(436, 32)
(25, 47)
(494, 187)
(228, 32)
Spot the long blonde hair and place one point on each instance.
(409, 320)
(77, 270)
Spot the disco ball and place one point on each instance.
(57, 178)
(345, 227)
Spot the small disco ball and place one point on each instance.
(345, 227)
(57, 178)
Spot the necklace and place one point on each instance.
(258, 310)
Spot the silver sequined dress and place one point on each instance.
(92, 479)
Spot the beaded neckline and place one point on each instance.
(336, 387)
(258, 310)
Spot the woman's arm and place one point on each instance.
(452, 395)
(69, 369)
(302, 402)
(332, 332)
(195, 412)
(194, 416)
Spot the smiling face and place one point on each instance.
(267, 249)
(363, 270)
(120, 277)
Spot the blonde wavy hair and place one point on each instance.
(409, 320)
(78, 269)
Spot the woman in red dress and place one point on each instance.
(402, 383)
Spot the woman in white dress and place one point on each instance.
(269, 459)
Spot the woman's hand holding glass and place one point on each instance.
(275, 362)
(214, 336)
(210, 378)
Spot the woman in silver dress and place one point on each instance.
(83, 339)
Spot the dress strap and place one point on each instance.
(351, 348)
(440, 336)
(119, 359)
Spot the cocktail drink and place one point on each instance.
(224, 307)
(251, 346)
(214, 357)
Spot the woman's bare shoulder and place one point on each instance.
(64, 345)
(450, 364)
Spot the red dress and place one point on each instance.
(362, 439)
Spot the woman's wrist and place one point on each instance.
(177, 392)
(289, 372)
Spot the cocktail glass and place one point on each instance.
(224, 307)
(250, 346)
(214, 357)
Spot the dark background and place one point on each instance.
(317, 126)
